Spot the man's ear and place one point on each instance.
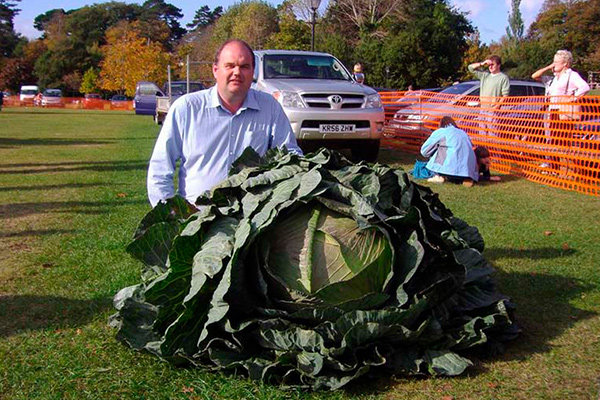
(214, 70)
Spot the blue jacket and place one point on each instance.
(451, 153)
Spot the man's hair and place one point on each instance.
(239, 41)
(481, 152)
(447, 120)
(495, 59)
(566, 56)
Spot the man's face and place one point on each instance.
(233, 72)
(494, 67)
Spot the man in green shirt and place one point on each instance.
(495, 85)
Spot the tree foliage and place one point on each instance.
(90, 82)
(205, 17)
(253, 21)
(8, 36)
(129, 58)
(516, 27)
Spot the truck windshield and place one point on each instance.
(28, 91)
(300, 66)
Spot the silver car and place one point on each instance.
(324, 104)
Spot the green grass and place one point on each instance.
(72, 189)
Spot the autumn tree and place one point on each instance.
(129, 58)
(18, 70)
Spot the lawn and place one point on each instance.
(72, 189)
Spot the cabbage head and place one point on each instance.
(311, 271)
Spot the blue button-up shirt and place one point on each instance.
(207, 139)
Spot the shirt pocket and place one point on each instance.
(258, 139)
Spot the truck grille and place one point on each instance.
(333, 101)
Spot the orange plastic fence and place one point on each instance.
(70, 103)
(551, 141)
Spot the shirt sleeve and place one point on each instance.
(505, 86)
(478, 74)
(431, 144)
(581, 86)
(167, 150)
(283, 135)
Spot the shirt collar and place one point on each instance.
(249, 102)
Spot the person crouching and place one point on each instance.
(451, 155)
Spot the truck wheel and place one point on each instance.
(158, 119)
(365, 150)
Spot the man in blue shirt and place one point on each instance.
(208, 130)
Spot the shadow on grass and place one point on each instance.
(17, 210)
(543, 253)
(98, 167)
(52, 187)
(8, 142)
(20, 313)
(544, 309)
(37, 232)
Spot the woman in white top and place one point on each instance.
(564, 82)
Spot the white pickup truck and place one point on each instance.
(325, 106)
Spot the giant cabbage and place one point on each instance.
(311, 271)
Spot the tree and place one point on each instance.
(90, 82)
(18, 70)
(8, 37)
(368, 15)
(292, 33)
(205, 17)
(41, 21)
(159, 10)
(129, 58)
(516, 27)
(476, 51)
(253, 21)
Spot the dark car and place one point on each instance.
(119, 102)
(462, 100)
(179, 88)
(145, 97)
(93, 101)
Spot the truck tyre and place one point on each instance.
(365, 150)
(158, 119)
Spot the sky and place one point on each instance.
(489, 16)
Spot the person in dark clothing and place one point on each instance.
(483, 164)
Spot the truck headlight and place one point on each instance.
(289, 99)
(373, 101)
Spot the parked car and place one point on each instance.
(28, 92)
(52, 98)
(463, 99)
(325, 106)
(119, 101)
(145, 97)
(93, 101)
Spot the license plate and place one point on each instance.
(336, 128)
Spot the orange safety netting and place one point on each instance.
(70, 103)
(554, 142)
